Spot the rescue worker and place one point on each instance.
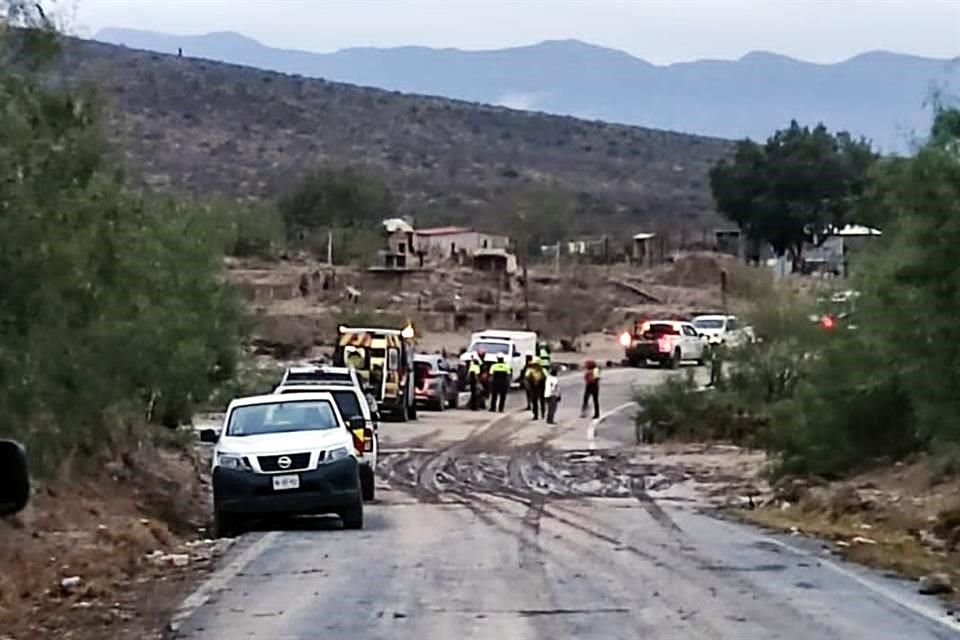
(535, 382)
(544, 355)
(473, 380)
(499, 383)
(552, 393)
(716, 364)
(523, 379)
(591, 389)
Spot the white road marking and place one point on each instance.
(218, 581)
(592, 427)
(928, 612)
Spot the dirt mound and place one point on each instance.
(694, 270)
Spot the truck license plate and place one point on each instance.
(281, 483)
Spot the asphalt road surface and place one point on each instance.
(508, 529)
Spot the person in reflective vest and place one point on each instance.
(591, 389)
(544, 355)
(499, 384)
(473, 380)
(535, 382)
(523, 379)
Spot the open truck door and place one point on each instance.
(14, 478)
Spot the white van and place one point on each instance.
(514, 345)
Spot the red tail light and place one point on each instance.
(368, 439)
(663, 344)
(358, 440)
(827, 322)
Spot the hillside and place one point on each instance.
(203, 126)
(879, 94)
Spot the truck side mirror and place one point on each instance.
(14, 478)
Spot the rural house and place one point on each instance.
(458, 242)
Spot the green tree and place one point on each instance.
(795, 188)
(112, 304)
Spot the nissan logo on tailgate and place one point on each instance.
(284, 462)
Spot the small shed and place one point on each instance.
(495, 260)
(643, 248)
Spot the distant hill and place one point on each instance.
(880, 95)
(205, 127)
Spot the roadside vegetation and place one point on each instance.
(884, 383)
(115, 311)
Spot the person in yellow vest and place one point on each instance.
(499, 383)
(535, 383)
(591, 389)
(473, 380)
(544, 355)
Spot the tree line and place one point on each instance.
(884, 383)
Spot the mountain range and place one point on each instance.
(881, 95)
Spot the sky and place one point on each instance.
(660, 31)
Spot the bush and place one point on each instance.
(679, 411)
(114, 305)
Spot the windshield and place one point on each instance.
(708, 323)
(491, 347)
(282, 417)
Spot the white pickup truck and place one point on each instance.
(513, 345)
(723, 329)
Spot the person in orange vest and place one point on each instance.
(591, 389)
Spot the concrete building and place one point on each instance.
(457, 242)
(832, 256)
(401, 251)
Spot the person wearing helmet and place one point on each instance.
(591, 389)
(499, 383)
(473, 379)
(523, 378)
(535, 379)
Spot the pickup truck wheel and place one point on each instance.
(402, 413)
(353, 517)
(673, 361)
(367, 484)
(412, 411)
(226, 525)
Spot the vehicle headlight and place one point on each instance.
(337, 454)
(231, 461)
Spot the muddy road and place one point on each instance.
(506, 528)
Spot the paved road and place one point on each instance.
(468, 541)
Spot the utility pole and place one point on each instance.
(329, 247)
(556, 259)
(526, 295)
(723, 290)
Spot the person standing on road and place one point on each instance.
(552, 393)
(544, 355)
(716, 364)
(535, 382)
(591, 389)
(499, 384)
(473, 380)
(523, 379)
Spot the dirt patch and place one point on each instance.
(895, 518)
(699, 269)
(107, 556)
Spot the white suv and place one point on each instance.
(289, 455)
(351, 401)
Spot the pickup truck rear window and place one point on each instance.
(660, 329)
(348, 404)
